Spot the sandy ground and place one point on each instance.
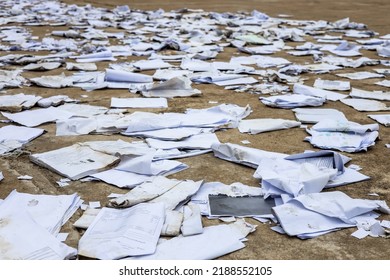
(263, 243)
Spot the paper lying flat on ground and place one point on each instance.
(360, 75)
(81, 66)
(139, 103)
(11, 79)
(364, 105)
(377, 95)
(14, 137)
(1, 178)
(36, 117)
(292, 101)
(144, 192)
(121, 179)
(200, 141)
(343, 135)
(226, 115)
(332, 85)
(384, 83)
(243, 155)
(59, 81)
(17, 102)
(311, 91)
(48, 211)
(74, 162)
(145, 165)
(192, 222)
(126, 77)
(26, 240)
(348, 177)
(175, 87)
(195, 65)
(54, 101)
(310, 115)
(120, 147)
(344, 49)
(167, 74)
(256, 126)
(42, 66)
(19, 133)
(215, 241)
(174, 134)
(239, 81)
(95, 57)
(116, 234)
(383, 119)
(241, 206)
(316, 213)
(144, 65)
(344, 126)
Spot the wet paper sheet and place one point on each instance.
(119, 233)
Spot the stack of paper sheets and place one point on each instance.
(343, 135)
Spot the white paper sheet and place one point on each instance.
(200, 141)
(172, 223)
(145, 165)
(167, 74)
(360, 75)
(322, 212)
(26, 240)
(280, 176)
(255, 126)
(309, 115)
(175, 87)
(74, 162)
(126, 77)
(214, 242)
(332, 85)
(377, 95)
(87, 218)
(311, 91)
(342, 141)
(59, 81)
(36, 117)
(292, 101)
(121, 233)
(121, 179)
(364, 105)
(192, 223)
(42, 66)
(95, 57)
(144, 192)
(81, 66)
(179, 194)
(17, 102)
(49, 211)
(139, 103)
(243, 155)
(344, 126)
(145, 65)
(174, 134)
(383, 119)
